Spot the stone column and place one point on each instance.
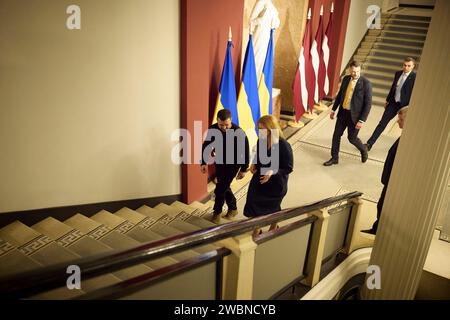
(420, 173)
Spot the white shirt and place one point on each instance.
(401, 80)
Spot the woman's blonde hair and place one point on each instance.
(270, 123)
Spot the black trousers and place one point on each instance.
(225, 175)
(389, 113)
(344, 121)
(379, 208)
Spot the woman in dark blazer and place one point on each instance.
(271, 167)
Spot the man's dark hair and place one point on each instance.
(355, 64)
(224, 114)
(409, 59)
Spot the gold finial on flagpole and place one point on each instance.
(321, 10)
(332, 6)
(229, 34)
(309, 14)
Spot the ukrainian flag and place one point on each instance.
(266, 81)
(227, 90)
(248, 100)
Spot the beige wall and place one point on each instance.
(292, 14)
(86, 115)
(356, 27)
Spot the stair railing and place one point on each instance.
(46, 278)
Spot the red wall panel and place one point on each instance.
(204, 36)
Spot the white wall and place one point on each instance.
(356, 27)
(86, 115)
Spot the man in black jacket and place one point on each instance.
(398, 97)
(386, 175)
(355, 100)
(229, 144)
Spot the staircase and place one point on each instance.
(382, 51)
(175, 252)
(24, 248)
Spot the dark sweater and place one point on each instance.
(234, 148)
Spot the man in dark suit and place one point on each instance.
(229, 143)
(355, 100)
(386, 175)
(398, 97)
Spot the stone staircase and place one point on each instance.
(382, 51)
(50, 241)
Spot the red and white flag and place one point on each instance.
(326, 51)
(304, 81)
(318, 63)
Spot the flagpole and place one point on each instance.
(319, 106)
(308, 114)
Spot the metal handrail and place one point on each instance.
(49, 277)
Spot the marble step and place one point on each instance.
(146, 224)
(195, 213)
(383, 84)
(370, 65)
(13, 261)
(406, 50)
(378, 100)
(204, 208)
(36, 245)
(392, 54)
(112, 239)
(409, 17)
(394, 62)
(401, 41)
(42, 250)
(413, 30)
(397, 34)
(169, 226)
(136, 233)
(376, 91)
(409, 23)
(79, 243)
(180, 214)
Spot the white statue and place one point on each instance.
(263, 18)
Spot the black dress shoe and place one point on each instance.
(370, 231)
(368, 146)
(331, 162)
(364, 154)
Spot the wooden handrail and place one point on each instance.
(49, 277)
(132, 285)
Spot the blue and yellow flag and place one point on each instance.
(266, 81)
(248, 100)
(226, 98)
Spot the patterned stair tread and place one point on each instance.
(141, 221)
(74, 239)
(111, 238)
(79, 243)
(185, 207)
(32, 243)
(13, 261)
(140, 235)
